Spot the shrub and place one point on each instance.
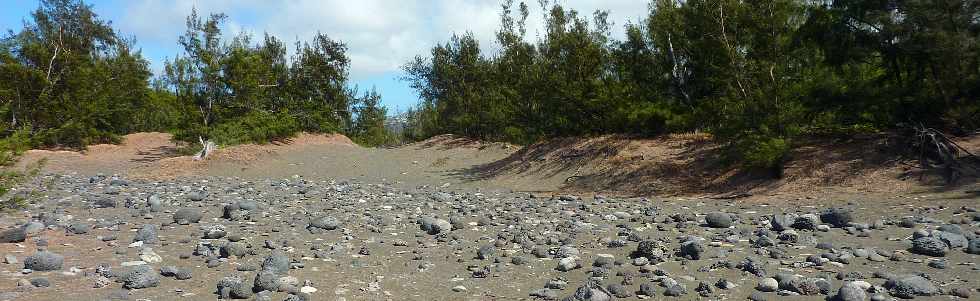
(255, 127)
(12, 146)
(765, 153)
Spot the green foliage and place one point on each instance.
(10, 178)
(245, 92)
(255, 127)
(369, 122)
(755, 74)
(13, 146)
(68, 79)
(766, 153)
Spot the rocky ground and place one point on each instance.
(204, 238)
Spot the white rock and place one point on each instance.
(148, 256)
(768, 285)
(307, 289)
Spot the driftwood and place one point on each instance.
(937, 151)
(207, 146)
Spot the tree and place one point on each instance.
(69, 79)
(369, 121)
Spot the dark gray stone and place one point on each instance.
(40, 282)
(175, 272)
(911, 287)
(15, 235)
(806, 222)
(929, 246)
(973, 247)
(44, 261)
(277, 263)
(140, 277)
(618, 290)
(647, 289)
(188, 216)
(952, 240)
(147, 234)
(719, 220)
(675, 291)
(850, 292)
(233, 287)
(236, 249)
(485, 252)
(838, 217)
(78, 228)
(266, 281)
(780, 222)
(692, 250)
(325, 223)
(435, 226)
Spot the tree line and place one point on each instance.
(68, 79)
(756, 74)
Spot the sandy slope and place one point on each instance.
(672, 165)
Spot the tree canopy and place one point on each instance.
(756, 74)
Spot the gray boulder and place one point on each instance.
(587, 293)
(14, 235)
(140, 277)
(147, 234)
(929, 246)
(175, 272)
(692, 249)
(233, 287)
(325, 223)
(650, 249)
(234, 249)
(780, 222)
(911, 286)
(850, 292)
(485, 252)
(675, 291)
(154, 203)
(952, 240)
(806, 222)
(266, 281)
(277, 263)
(434, 226)
(973, 247)
(718, 220)
(838, 217)
(78, 228)
(44, 261)
(188, 216)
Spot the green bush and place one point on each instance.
(10, 178)
(764, 153)
(74, 134)
(255, 127)
(12, 146)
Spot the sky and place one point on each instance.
(381, 35)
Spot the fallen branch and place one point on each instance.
(936, 150)
(206, 148)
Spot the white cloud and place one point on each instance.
(380, 34)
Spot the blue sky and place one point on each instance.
(381, 34)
